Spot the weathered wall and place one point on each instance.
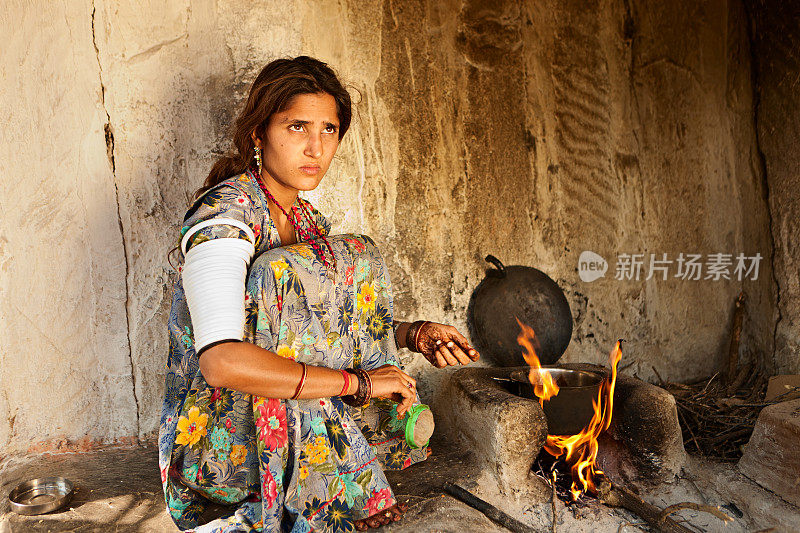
(65, 367)
(776, 36)
(173, 80)
(531, 130)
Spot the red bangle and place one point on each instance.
(302, 382)
(346, 376)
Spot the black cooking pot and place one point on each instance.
(571, 409)
(524, 293)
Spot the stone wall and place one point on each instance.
(532, 131)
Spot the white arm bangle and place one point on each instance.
(217, 222)
(213, 280)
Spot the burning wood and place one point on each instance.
(580, 450)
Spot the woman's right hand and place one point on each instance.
(390, 382)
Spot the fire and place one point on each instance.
(580, 450)
(544, 386)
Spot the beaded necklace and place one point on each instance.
(294, 219)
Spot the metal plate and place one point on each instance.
(524, 293)
(41, 495)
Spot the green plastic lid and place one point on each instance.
(411, 423)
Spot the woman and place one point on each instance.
(275, 325)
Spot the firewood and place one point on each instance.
(745, 371)
(616, 496)
(703, 508)
(736, 333)
(491, 512)
(553, 504)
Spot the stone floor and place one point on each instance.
(118, 490)
(115, 490)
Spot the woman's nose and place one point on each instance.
(314, 146)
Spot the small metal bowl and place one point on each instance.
(42, 495)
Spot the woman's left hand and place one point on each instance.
(443, 345)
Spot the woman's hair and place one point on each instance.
(272, 91)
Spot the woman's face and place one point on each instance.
(299, 143)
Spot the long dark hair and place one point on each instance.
(273, 89)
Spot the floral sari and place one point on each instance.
(284, 465)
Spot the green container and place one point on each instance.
(419, 426)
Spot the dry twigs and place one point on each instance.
(616, 496)
(716, 511)
(715, 423)
(553, 503)
(718, 415)
(622, 527)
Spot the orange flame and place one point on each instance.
(544, 386)
(581, 449)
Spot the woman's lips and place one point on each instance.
(311, 170)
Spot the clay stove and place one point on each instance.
(642, 448)
(643, 444)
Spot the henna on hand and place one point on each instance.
(442, 345)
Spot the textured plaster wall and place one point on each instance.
(532, 131)
(776, 33)
(65, 365)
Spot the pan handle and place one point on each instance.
(501, 269)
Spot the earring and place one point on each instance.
(258, 159)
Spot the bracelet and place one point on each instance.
(416, 337)
(364, 391)
(369, 387)
(411, 335)
(346, 376)
(302, 382)
(363, 386)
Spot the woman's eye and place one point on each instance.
(295, 127)
(330, 129)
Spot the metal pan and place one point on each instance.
(511, 293)
(41, 495)
(571, 409)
